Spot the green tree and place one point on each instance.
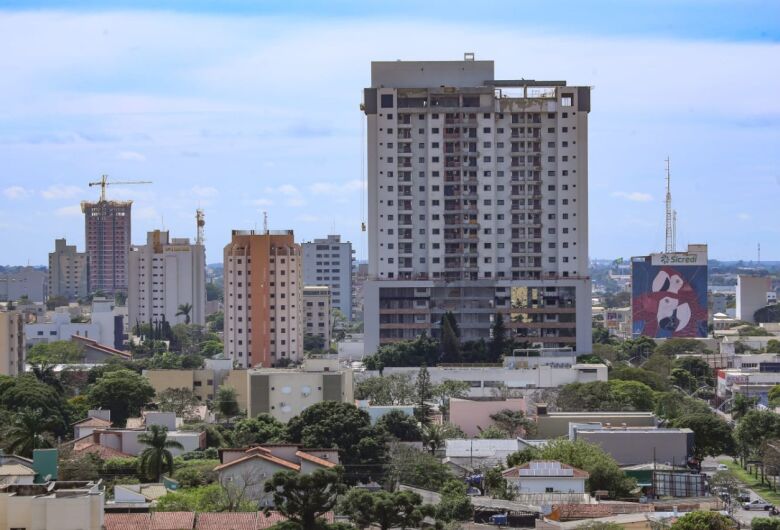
(514, 422)
(56, 301)
(755, 428)
(435, 435)
(56, 352)
(659, 363)
(344, 426)
(27, 432)
(675, 404)
(495, 485)
(613, 395)
(401, 426)
(422, 350)
(123, 392)
(455, 505)
(157, 457)
(45, 373)
(424, 393)
(194, 473)
(773, 346)
(313, 343)
(605, 474)
(629, 373)
(684, 379)
(679, 346)
(211, 348)
(83, 467)
(632, 395)
(261, 429)
(410, 466)
(184, 310)
(600, 335)
(639, 347)
(227, 402)
(216, 321)
(764, 523)
(181, 401)
(742, 405)
(383, 509)
(450, 343)
(498, 338)
(394, 389)
(304, 499)
(519, 458)
(447, 390)
(774, 396)
(492, 432)
(697, 367)
(711, 434)
(26, 392)
(703, 521)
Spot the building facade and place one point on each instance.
(477, 204)
(165, 274)
(752, 294)
(330, 262)
(68, 271)
(316, 300)
(11, 343)
(26, 282)
(108, 238)
(263, 298)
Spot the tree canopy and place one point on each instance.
(123, 392)
(305, 498)
(613, 395)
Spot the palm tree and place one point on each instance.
(184, 310)
(157, 458)
(44, 372)
(27, 433)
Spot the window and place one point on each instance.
(567, 100)
(387, 101)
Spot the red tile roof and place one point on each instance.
(315, 459)
(127, 521)
(273, 518)
(173, 520)
(227, 521)
(269, 458)
(92, 422)
(101, 450)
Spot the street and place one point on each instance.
(709, 466)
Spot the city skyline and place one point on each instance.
(268, 120)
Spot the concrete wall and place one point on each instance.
(642, 446)
(470, 415)
(28, 282)
(540, 484)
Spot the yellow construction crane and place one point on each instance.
(103, 182)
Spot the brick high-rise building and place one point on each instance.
(477, 204)
(264, 305)
(107, 239)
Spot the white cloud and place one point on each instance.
(204, 191)
(262, 202)
(635, 196)
(294, 197)
(57, 192)
(147, 213)
(306, 218)
(68, 211)
(337, 188)
(17, 192)
(744, 216)
(131, 155)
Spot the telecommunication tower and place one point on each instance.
(670, 243)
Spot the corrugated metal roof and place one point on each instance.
(15, 469)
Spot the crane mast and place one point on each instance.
(103, 182)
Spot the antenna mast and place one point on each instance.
(201, 222)
(669, 215)
(265, 222)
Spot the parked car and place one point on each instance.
(758, 504)
(743, 496)
(723, 467)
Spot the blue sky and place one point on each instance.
(253, 106)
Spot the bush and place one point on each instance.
(120, 467)
(194, 473)
(764, 523)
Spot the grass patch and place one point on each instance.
(753, 483)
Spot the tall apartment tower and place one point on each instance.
(107, 237)
(68, 270)
(329, 262)
(11, 343)
(264, 305)
(165, 274)
(477, 204)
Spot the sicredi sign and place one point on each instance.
(679, 258)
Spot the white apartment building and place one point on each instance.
(67, 271)
(165, 274)
(263, 298)
(752, 294)
(316, 300)
(106, 326)
(477, 204)
(11, 342)
(330, 262)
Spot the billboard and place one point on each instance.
(669, 295)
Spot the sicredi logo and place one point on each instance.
(677, 259)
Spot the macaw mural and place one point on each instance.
(668, 301)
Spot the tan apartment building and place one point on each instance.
(11, 343)
(263, 298)
(316, 300)
(67, 271)
(204, 382)
(284, 393)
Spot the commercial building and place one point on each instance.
(25, 282)
(330, 262)
(107, 230)
(11, 342)
(56, 505)
(545, 476)
(68, 271)
(753, 379)
(669, 294)
(203, 382)
(284, 393)
(316, 300)
(638, 445)
(517, 375)
(477, 204)
(263, 298)
(556, 424)
(752, 294)
(473, 415)
(106, 326)
(165, 274)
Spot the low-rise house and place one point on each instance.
(96, 419)
(191, 520)
(546, 476)
(250, 468)
(472, 415)
(52, 506)
(16, 474)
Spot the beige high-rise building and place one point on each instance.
(165, 274)
(68, 270)
(264, 306)
(477, 204)
(11, 343)
(317, 312)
